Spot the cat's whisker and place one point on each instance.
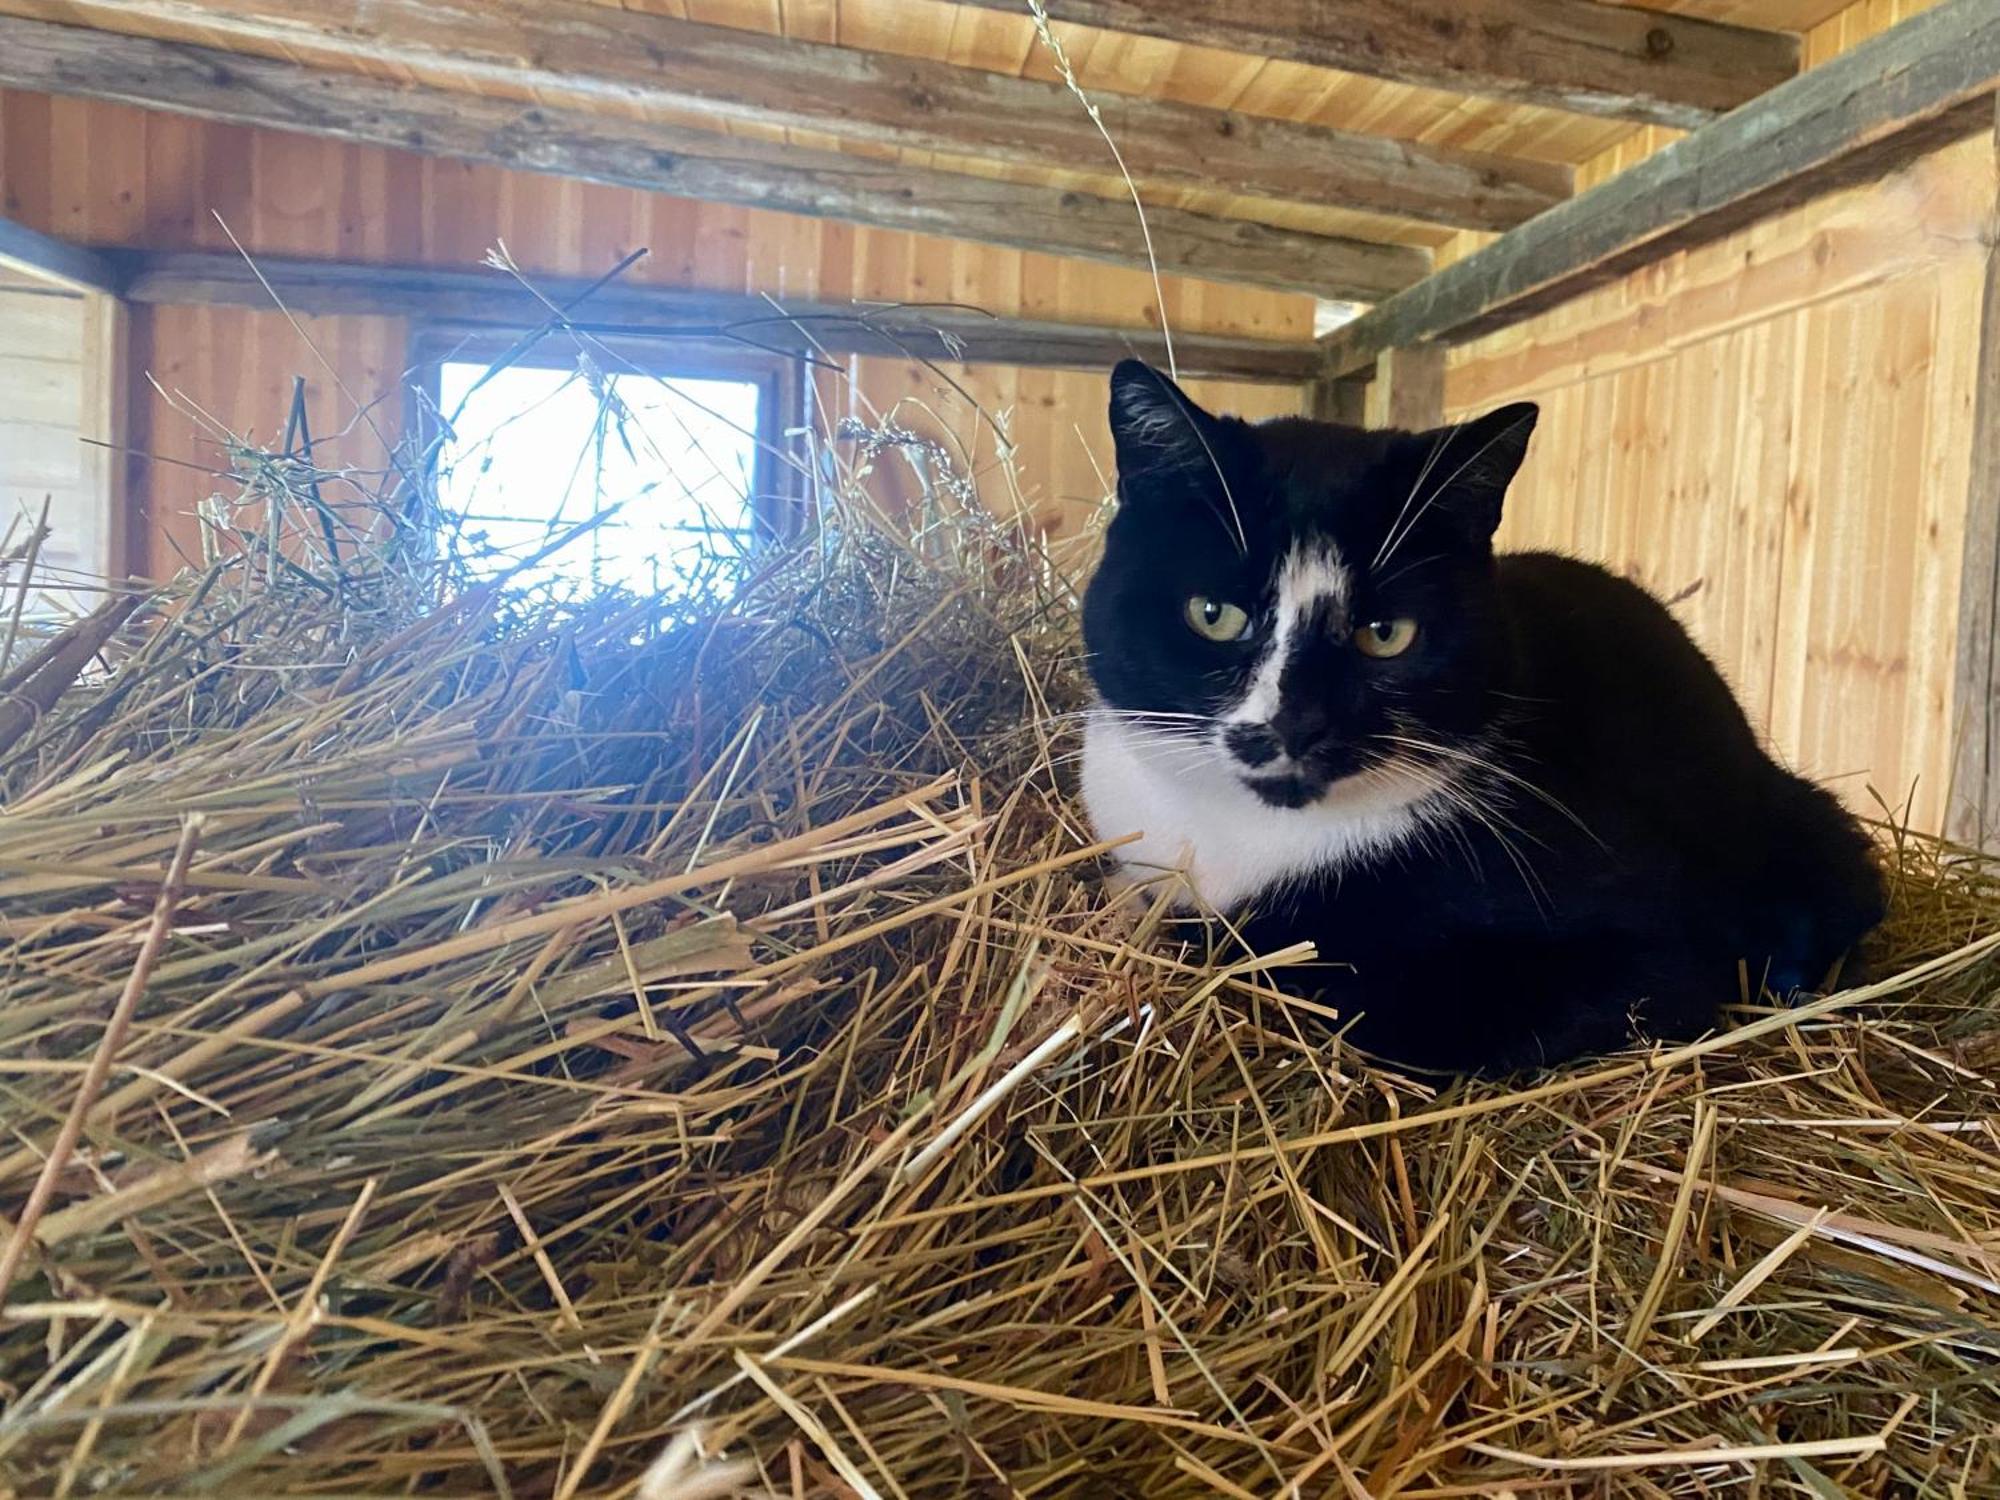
(1389, 548)
(1499, 773)
(1407, 568)
(1481, 812)
(1184, 409)
(1126, 716)
(1486, 816)
(1438, 445)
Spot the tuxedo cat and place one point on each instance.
(1512, 805)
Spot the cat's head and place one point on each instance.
(1297, 602)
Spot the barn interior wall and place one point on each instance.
(1775, 432)
(109, 175)
(58, 459)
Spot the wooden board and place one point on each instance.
(1614, 60)
(1776, 431)
(1907, 91)
(52, 434)
(945, 333)
(1973, 815)
(570, 52)
(112, 175)
(660, 156)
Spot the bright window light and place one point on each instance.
(540, 450)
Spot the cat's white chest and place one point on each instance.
(1197, 817)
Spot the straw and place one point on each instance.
(584, 1018)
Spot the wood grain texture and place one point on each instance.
(660, 156)
(1407, 391)
(946, 333)
(59, 435)
(1775, 431)
(564, 51)
(1973, 816)
(1896, 96)
(222, 377)
(104, 173)
(1617, 60)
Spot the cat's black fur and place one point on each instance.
(1639, 850)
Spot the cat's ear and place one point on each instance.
(1157, 429)
(1477, 460)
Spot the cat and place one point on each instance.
(1516, 810)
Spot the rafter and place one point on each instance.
(1618, 60)
(567, 51)
(1915, 87)
(459, 298)
(689, 163)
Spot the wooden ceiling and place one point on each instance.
(1259, 160)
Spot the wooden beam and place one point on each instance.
(1972, 815)
(688, 163)
(1407, 392)
(1617, 60)
(568, 52)
(473, 299)
(1910, 90)
(47, 258)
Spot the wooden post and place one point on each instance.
(1408, 389)
(107, 363)
(1972, 815)
(1343, 400)
(1404, 388)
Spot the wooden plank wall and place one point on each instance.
(56, 421)
(1776, 431)
(106, 174)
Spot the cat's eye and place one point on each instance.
(1385, 638)
(1216, 619)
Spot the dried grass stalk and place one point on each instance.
(575, 1024)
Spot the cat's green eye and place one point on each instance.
(1216, 619)
(1385, 638)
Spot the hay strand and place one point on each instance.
(625, 1047)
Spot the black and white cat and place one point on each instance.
(1514, 807)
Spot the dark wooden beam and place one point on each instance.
(49, 259)
(689, 163)
(1617, 60)
(567, 51)
(1910, 90)
(479, 299)
(1972, 815)
(1412, 389)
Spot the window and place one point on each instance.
(688, 451)
(58, 448)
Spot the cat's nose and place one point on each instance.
(1253, 744)
(1301, 728)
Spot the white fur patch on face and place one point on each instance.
(1310, 577)
(1196, 816)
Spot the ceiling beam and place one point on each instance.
(1617, 60)
(46, 258)
(1915, 87)
(241, 89)
(477, 299)
(567, 51)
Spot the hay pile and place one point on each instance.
(549, 1048)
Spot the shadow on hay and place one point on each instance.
(584, 1021)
